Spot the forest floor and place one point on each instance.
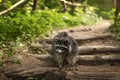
(93, 35)
(97, 31)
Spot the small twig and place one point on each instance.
(12, 7)
(70, 3)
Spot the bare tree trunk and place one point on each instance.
(117, 6)
(34, 5)
(64, 7)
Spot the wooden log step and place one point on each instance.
(84, 50)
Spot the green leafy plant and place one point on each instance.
(116, 27)
(27, 27)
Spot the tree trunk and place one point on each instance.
(34, 5)
(117, 6)
(64, 6)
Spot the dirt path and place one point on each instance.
(87, 32)
(83, 32)
(81, 72)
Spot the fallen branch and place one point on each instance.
(77, 75)
(12, 7)
(30, 72)
(89, 50)
(47, 71)
(85, 59)
(70, 3)
(80, 58)
(112, 59)
(84, 50)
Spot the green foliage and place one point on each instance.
(116, 27)
(106, 14)
(104, 8)
(7, 4)
(1, 64)
(102, 4)
(1, 54)
(26, 27)
(51, 4)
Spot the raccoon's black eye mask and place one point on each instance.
(62, 40)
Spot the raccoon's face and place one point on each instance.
(62, 45)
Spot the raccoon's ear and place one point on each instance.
(66, 40)
(65, 33)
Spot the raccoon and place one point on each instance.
(64, 49)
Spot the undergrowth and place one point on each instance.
(116, 28)
(27, 27)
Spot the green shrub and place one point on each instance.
(116, 27)
(26, 27)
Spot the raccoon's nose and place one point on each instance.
(59, 51)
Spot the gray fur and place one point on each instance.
(64, 47)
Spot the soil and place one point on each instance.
(80, 72)
(86, 32)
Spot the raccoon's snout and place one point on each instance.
(59, 51)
